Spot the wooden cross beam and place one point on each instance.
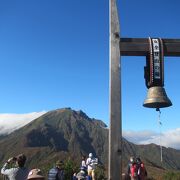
(140, 47)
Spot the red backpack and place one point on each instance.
(133, 170)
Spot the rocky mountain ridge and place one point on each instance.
(65, 133)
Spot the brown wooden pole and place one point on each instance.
(115, 130)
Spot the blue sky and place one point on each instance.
(149, 19)
(55, 54)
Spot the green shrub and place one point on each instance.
(171, 175)
(69, 168)
(100, 173)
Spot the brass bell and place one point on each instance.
(157, 98)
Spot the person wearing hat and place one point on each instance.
(18, 172)
(57, 172)
(35, 174)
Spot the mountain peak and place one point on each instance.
(69, 111)
(82, 114)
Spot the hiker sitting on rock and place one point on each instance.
(82, 175)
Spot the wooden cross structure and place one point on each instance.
(124, 47)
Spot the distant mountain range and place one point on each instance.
(65, 133)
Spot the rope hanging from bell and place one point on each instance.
(160, 124)
(154, 76)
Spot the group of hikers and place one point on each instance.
(136, 170)
(87, 170)
(20, 172)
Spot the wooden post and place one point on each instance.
(125, 47)
(115, 131)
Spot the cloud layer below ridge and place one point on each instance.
(170, 138)
(11, 122)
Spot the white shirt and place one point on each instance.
(83, 163)
(91, 163)
(15, 173)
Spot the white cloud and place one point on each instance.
(11, 122)
(170, 138)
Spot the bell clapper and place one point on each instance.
(160, 124)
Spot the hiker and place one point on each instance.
(35, 174)
(18, 172)
(91, 163)
(83, 162)
(132, 169)
(82, 175)
(141, 170)
(74, 176)
(57, 172)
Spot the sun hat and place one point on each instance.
(35, 173)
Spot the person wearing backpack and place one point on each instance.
(141, 170)
(56, 173)
(132, 169)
